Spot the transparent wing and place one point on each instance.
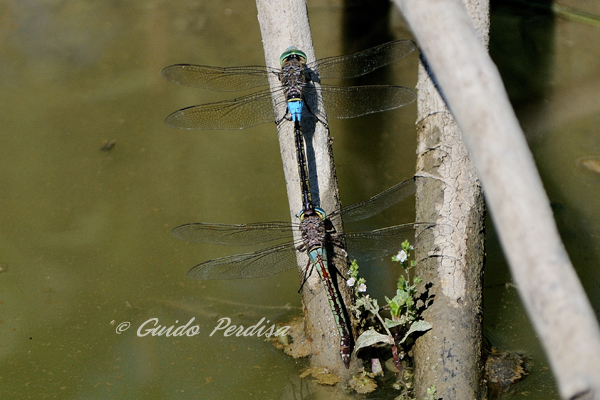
(379, 243)
(244, 112)
(227, 79)
(233, 235)
(269, 261)
(247, 77)
(354, 101)
(363, 62)
(382, 201)
(272, 260)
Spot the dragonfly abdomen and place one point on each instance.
(318, 258)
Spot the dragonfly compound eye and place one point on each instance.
(292, 51)
(321, 213)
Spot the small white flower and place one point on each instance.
(362, 287)
(350, 282)
(401, 256)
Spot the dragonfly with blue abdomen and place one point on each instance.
(296, 77)
(282, 257)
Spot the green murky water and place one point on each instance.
(86, 242)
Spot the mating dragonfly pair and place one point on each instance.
(301, 98)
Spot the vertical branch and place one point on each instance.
(547, 283)
(450, 354)
(284, 23)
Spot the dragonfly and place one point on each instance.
(317, 235)
(300, 95)
(315, 230)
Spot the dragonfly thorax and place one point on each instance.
(293, 77)
(313, 230)
(293, 80)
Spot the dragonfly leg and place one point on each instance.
(316, 116)
(307, 273)
(334, 240)
(277, 122)
(337, 242)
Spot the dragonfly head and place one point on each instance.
(292, 52)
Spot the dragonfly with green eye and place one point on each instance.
(296, 77)
(317, 236)
(300, 95)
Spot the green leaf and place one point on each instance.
(401, 283)
(418, 326)
(401, 297)
(431, 390)
(394, 307)
(361, 302)
(390, 324)
(370, 338)
(406, 246)
(368, 303)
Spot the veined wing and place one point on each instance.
(381, 242)
(244, 112)
(233, 235)
(229, 79)
(276, 259)
(263, 232)
(363, 62)
(354, 101)
(247, 77)
(269, 261)
(382, 201)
